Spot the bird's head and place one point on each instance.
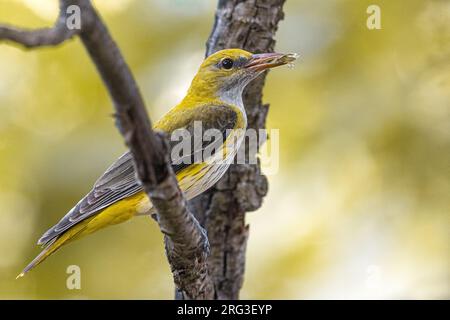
(227, 72)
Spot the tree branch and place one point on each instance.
(187, 246)
(41, 37)
(250, 25)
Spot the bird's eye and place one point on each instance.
(227, 63)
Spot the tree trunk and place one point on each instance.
(249, 25)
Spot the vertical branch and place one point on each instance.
(250, 25)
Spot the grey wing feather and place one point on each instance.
(120, 180)
(221, 118)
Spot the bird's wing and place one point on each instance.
(219, 118)
(120, 180)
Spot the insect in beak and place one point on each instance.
(263, 61)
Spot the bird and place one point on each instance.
(214, 99)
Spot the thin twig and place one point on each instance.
(41, 37)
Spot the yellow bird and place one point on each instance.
(214, 100)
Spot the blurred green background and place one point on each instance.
(360, 205)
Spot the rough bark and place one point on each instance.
(249, 25)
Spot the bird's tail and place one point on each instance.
(54, 245)
(40, 257)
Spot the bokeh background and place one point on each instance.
(359, 207)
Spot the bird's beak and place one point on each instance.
(263, 61)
